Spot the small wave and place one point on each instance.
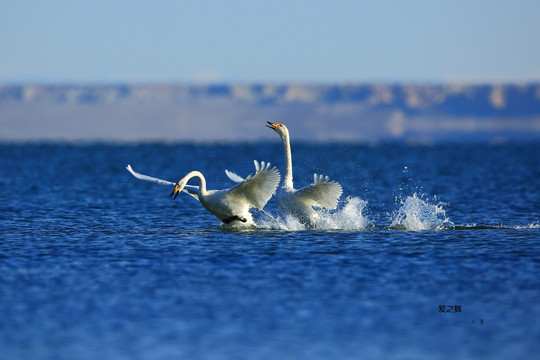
(530, 226)
(350, 216)
(493, 227)
(416, 214)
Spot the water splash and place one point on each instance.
(416, 214)
(350, 216)
(275, 222)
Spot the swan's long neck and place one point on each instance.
(192, 174)
(288, 178)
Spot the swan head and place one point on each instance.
(279, 128)
(178, 187)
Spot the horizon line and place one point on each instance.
(273, 83)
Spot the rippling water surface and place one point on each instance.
(97, 264)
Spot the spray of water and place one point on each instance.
(416, 213)
(349, 216)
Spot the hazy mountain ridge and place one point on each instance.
(237, 112)
(479, 100)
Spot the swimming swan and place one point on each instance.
(228, 205)
(299, 203)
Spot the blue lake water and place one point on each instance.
(95, 264)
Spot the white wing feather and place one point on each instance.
(258, 188)
(234, 177)
(323, 192)
(148, 178)
(189, 189)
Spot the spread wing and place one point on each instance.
(323, 192)
(258, 188)
(190, 189)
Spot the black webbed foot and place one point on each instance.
(233, 218)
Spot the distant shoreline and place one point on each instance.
(361, 112)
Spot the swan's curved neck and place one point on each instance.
(200, 176)
(288, 178)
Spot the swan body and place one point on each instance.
(299, 203)
(228, 205)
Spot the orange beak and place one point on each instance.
(273, 126)
(175, 191)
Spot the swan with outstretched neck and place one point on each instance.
(299, 203)
(230, 206)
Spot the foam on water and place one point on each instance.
(349, 216)
(530, 226)
(493, 227)
(416, 214)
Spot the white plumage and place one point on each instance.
(322, 193)
(228, 205)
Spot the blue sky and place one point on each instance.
(269, 41)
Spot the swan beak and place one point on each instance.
(273, 126)
(175, 191)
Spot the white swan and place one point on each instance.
(228, 205)
(299, 203)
